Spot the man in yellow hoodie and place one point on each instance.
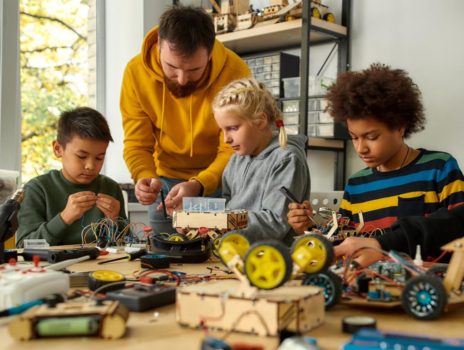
(171, 140)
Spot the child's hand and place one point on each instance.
(365, 251)
(78, 204)
(298, 216)
(110, 206)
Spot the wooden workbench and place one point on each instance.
(145, 331)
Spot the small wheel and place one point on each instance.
(232, 243)
(268, 264)
(215, 246)
(315, 12)
(330, 283)
(329, 17)
(318, 250)
(424, 297)
(177, 237)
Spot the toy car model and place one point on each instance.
(206, 218)
(423, 294)
(269, 264)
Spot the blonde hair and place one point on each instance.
(250, 99)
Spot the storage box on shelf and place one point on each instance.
(270, 68)
(320, 123)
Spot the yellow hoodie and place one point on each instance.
(175, 137)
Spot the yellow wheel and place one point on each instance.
(231, 244)
(215, 247)
(329, 17)
(315, 12)
(268, 265)
(313, 253)
(177, 237)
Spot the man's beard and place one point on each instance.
(181, 90)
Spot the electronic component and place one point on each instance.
(196, 250)
(128, 256)
(57, 255)
(106, 319)
(373, 339)
(154, 261)
(19, 285)
(144, 297)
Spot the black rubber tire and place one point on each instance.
(330, 283)
(424, 297)
(262, 264)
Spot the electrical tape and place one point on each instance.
(100, 278)
(352, 324)
(154, 261)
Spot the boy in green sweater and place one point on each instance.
(59, 204)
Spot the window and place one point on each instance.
(57, 73)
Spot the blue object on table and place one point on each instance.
(372, 339)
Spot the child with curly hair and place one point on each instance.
(263, 161)
(382, 107)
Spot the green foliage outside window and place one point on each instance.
(54, 74)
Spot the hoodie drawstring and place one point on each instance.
(162, 111)
(191, 127)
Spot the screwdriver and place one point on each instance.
(128, 256)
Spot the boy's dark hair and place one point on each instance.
(83, 122)
(388, 95)
(187, 28)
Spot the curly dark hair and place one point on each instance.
(388, 95)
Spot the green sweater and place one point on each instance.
(46, 196)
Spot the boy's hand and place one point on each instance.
(78, 204)
(147, 189)
(353, 245)
(173, 200)
(110, 206)
(299, 216)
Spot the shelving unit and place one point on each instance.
(303, 33)
(280, 35)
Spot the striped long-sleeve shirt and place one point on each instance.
(432, 181)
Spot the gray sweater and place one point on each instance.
(253, 183)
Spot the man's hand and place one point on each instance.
(146, 190)
(365, 257)
(78, 203)
(110, 206)
(299, 216)
(173, 200)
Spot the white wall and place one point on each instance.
(126, 22)
(425, 38)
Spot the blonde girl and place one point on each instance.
(263, 161)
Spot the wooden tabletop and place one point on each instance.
(157, 329)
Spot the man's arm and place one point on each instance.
(138, 132)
